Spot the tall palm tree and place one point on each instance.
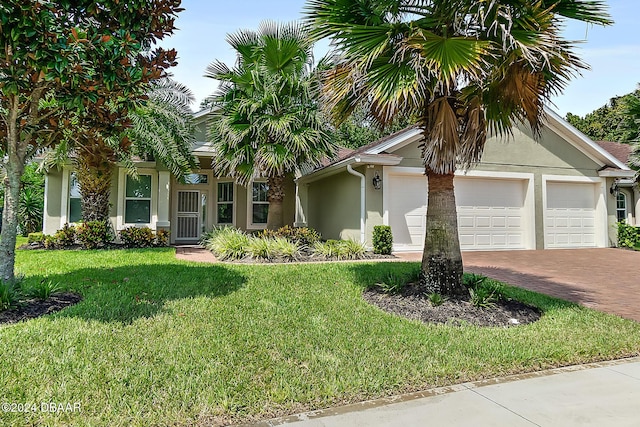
(464, 68)
(158, 128)
(265, 115)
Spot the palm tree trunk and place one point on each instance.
(95, 171)
(275, 195)
(441, 259)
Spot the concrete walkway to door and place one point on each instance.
(603, 279)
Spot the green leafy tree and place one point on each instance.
(611, 122)
(265, 114)
(85, 56)
(160, 127)
(632, 110)
(463, 68)
(360, 129)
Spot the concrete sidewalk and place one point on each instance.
(602, 394)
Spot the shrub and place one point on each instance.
(436, 299)
(137, 237)
(43, 290)
(162, 238)
(94, 234)
(382, 240)
(260, 248)
(473, 280)
(302, 235)
(393, 284)
(50, 242)
(35, 238)
(66, 236)
(340, 249)
(227, 243)
(327, 250)
(487, 294)
(628, 235)
(8, 296)
(351, 249)
(287, 249)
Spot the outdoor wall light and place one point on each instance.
(614, 188)
(377, 181)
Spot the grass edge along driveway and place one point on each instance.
(158, 341)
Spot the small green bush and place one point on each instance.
(8, 296)
(436, 299)
(339, 249)
(94, 234)
(65, 237)
(137, 237)
(302, 235)
(392, 284)
(35, 238)
(260, 248)
(162, 238)
(43, 290)
(351, 249)
(287, 249)
(628, 235)
(382, 240)
(487, 294)
(49, 242)
(227, 243)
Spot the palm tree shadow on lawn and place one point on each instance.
(124, 294)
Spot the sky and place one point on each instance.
(612, 52)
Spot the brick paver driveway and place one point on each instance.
(604, 279)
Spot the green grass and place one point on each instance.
(158, 341)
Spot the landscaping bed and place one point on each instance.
(159, 341)
(35, 307)
(410, 303)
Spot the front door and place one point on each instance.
(191, 205)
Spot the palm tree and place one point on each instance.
(159, 128)
(265, 115)
(463, 68)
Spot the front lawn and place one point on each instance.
(157, 341)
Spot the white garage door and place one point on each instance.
(491, 212)
(407, 199)
(570, 217)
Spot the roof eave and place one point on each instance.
(359, 159)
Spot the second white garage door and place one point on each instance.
(491, 212)
(570, 216)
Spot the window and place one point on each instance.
(260, 202)
(225, 203)
(137, 206)
(196, 178)
(621, 206)
(75, 204)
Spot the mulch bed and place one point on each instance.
(410, 303)
(32, 308)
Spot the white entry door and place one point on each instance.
(189, 215)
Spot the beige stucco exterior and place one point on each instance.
(333, 199)
(164, 190)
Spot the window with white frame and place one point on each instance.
(137, 205)
(75, 200)
(259, 202)
(621, 206)
(224, 210)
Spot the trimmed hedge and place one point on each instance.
(382, 240)
(628, 235)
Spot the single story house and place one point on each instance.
(563, 191)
